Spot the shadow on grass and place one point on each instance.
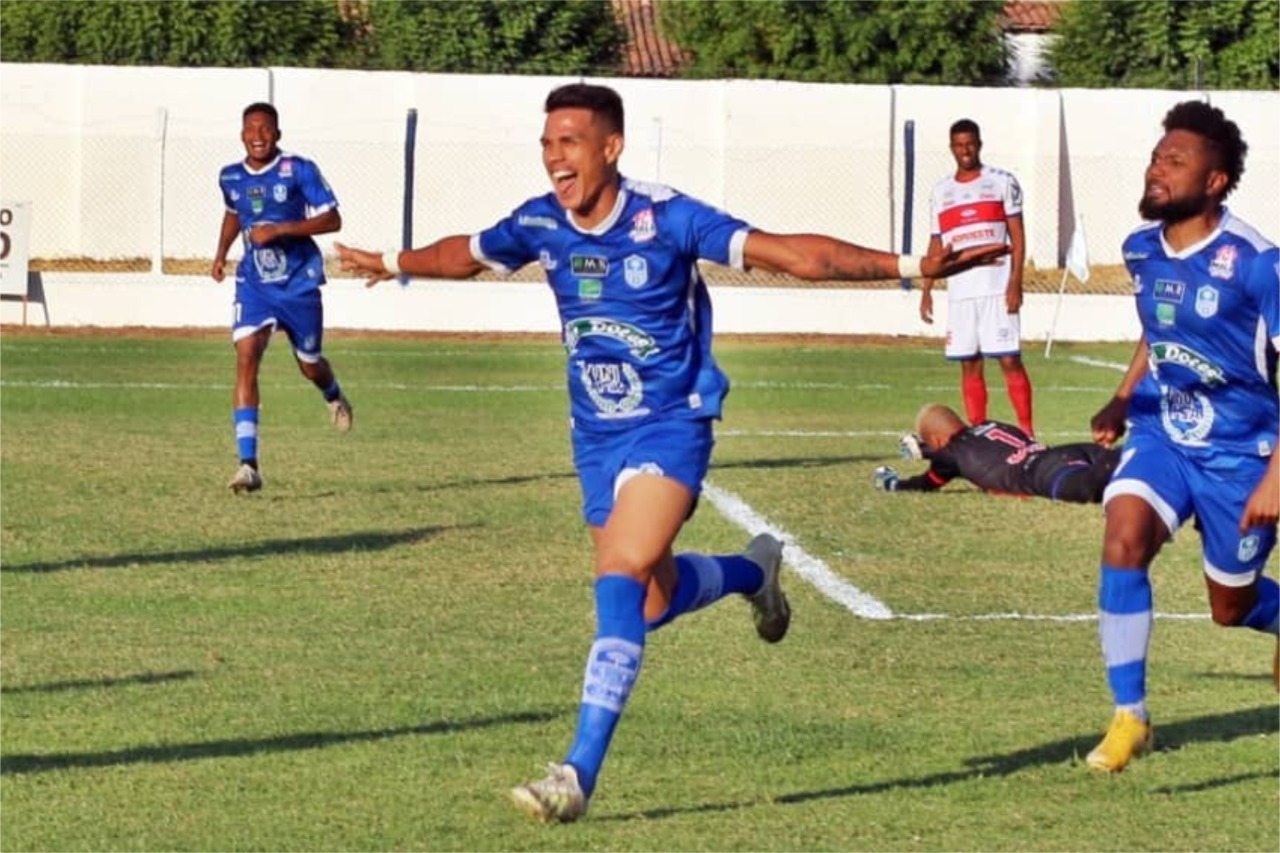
(12, 765)
(1215, 727)
(522, 479)
(365, 541)
(796, 462)
(94, 683)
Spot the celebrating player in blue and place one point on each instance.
(277, 202)
(621, 258)
(1200, 396)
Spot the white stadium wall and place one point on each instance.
(123, 163)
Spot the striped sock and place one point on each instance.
(702, 580)
(612, 667)
(1125, 618)
(246, 423)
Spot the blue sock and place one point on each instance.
(332, 392)
(702, 580)
(1124, 627)
(612, 667)
(246, 422)
(1265, 615)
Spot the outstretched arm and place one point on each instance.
(818, 257)
(448, 257)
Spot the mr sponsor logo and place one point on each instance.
(590, 266)
(1169, 291)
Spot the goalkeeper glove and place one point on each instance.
(909, 447)
(885, 479)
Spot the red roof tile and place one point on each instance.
(649, 54)
(1026, 16)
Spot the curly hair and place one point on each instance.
(1220, 133)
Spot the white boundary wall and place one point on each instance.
(122, 162)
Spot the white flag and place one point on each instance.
(1078, 252)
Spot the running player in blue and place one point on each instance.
(621, 258)
(276, 202)
(1200, 397)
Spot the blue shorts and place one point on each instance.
(1175, 487)
(300, 315)
(679, 449)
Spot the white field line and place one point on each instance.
(807, 566)
(1097, 362)
(816, 572)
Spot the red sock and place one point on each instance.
(974, 389)
(1019, 386)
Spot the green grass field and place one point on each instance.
(368, 653)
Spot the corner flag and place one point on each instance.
(1077, 264)
(1078, 252)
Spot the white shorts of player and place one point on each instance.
(982, 326)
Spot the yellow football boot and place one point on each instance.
(1127, 737)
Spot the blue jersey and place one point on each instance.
(634, 311)
(289, 189)
(1211, 321)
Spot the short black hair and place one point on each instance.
(601, 100)
(262, 107)
(966, 125)
(1221, 134)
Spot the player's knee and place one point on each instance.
(1128, 548)
(1228, 614)
(623, 558)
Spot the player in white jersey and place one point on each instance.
(1202, 408)
(621, 259)
(976, 206)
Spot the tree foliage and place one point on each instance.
(841, 41)
(1169, 44)
(178, 32)
(484, 37)
(526, 36)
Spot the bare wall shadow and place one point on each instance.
(21, 763)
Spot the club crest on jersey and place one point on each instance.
(280, 193)
(643, 226)
(635, 271)
(286, 168)
(1187, 416)
(1207, 301)
(1169, 291)
(1248, 548)
(1223, 264)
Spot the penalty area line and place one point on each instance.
(814, 571)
